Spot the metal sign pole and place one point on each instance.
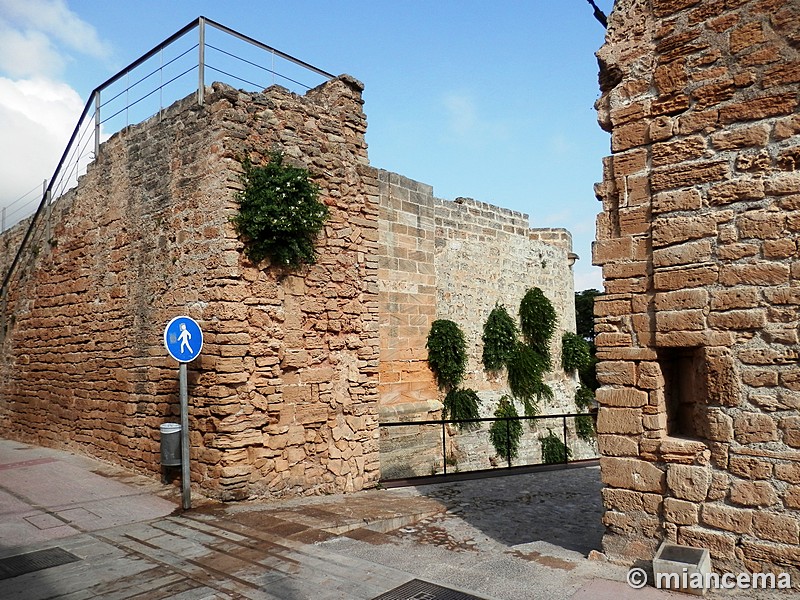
(183, 340)
(186, 483)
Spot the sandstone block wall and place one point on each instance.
(284, 395)
(455, 260)
(296, 367)
(407, 292)
(698, 240)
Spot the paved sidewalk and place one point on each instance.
(504, 538)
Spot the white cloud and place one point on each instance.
(38, 38)
(560, 145)
(462, 113)
(588, 278)
(56, 20)
(464, 119)
(28, 53)
(36, 118)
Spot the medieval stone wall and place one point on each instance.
(407, 294)
(296, 366)
(284, 395)
(441, 259)
(456, 260)
(698, 330)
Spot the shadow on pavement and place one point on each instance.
(560, 507)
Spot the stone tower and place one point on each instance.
(699, 422)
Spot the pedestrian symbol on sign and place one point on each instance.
(183, 339)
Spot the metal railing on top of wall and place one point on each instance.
(137, 93)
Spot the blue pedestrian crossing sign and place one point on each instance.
(183, 339)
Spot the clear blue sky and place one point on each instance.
(486, 99)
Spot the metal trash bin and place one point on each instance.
(171, 444)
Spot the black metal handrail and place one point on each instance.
(444, 422)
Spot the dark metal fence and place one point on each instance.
(564, 434)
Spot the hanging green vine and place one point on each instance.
(553, 449)
(447, 358)
(526, 361)
(584, 425)
(500, 335)
(280, 215)
(505, 435)
(461, 404)
(584, 397)
(447, 353)
(587, 372)
(526, 369)
(575, 352)
(537, 319)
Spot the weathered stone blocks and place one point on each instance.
(620, 421)
(284, 357)
(728, 518)
(632, 474)
(680, 512)
(688, 482)
(713, 295)
(753, 493)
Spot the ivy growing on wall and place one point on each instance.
(584, 424)
(575, 352)
(461, 403)
(505, 435)
(526, 362)
(537, 320)
(579, 353)
(525, 371)
(500, 334)
(280, 215)
(447, 353)
(447, 358)
(553, 449)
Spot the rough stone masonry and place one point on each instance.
(699, 420)
(455, 260)
(284, 395)
(297, 366)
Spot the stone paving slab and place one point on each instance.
(521, 537)
(47, 495)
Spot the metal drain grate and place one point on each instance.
(417, 589)
(14, 566)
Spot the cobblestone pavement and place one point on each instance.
(559, 507)
(517, 537)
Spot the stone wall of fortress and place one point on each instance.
(297, 367)
(442, 259)
(699, 421)
(284, 395)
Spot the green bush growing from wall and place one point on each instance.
(575, 352)
(525, 370)
(574, 356)
(461, 403)
(537, 320)
(447, 358)
(500, 334)
(505, 435)
(447, 353)
(280, 215)
(553, 449)
(584, 425)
